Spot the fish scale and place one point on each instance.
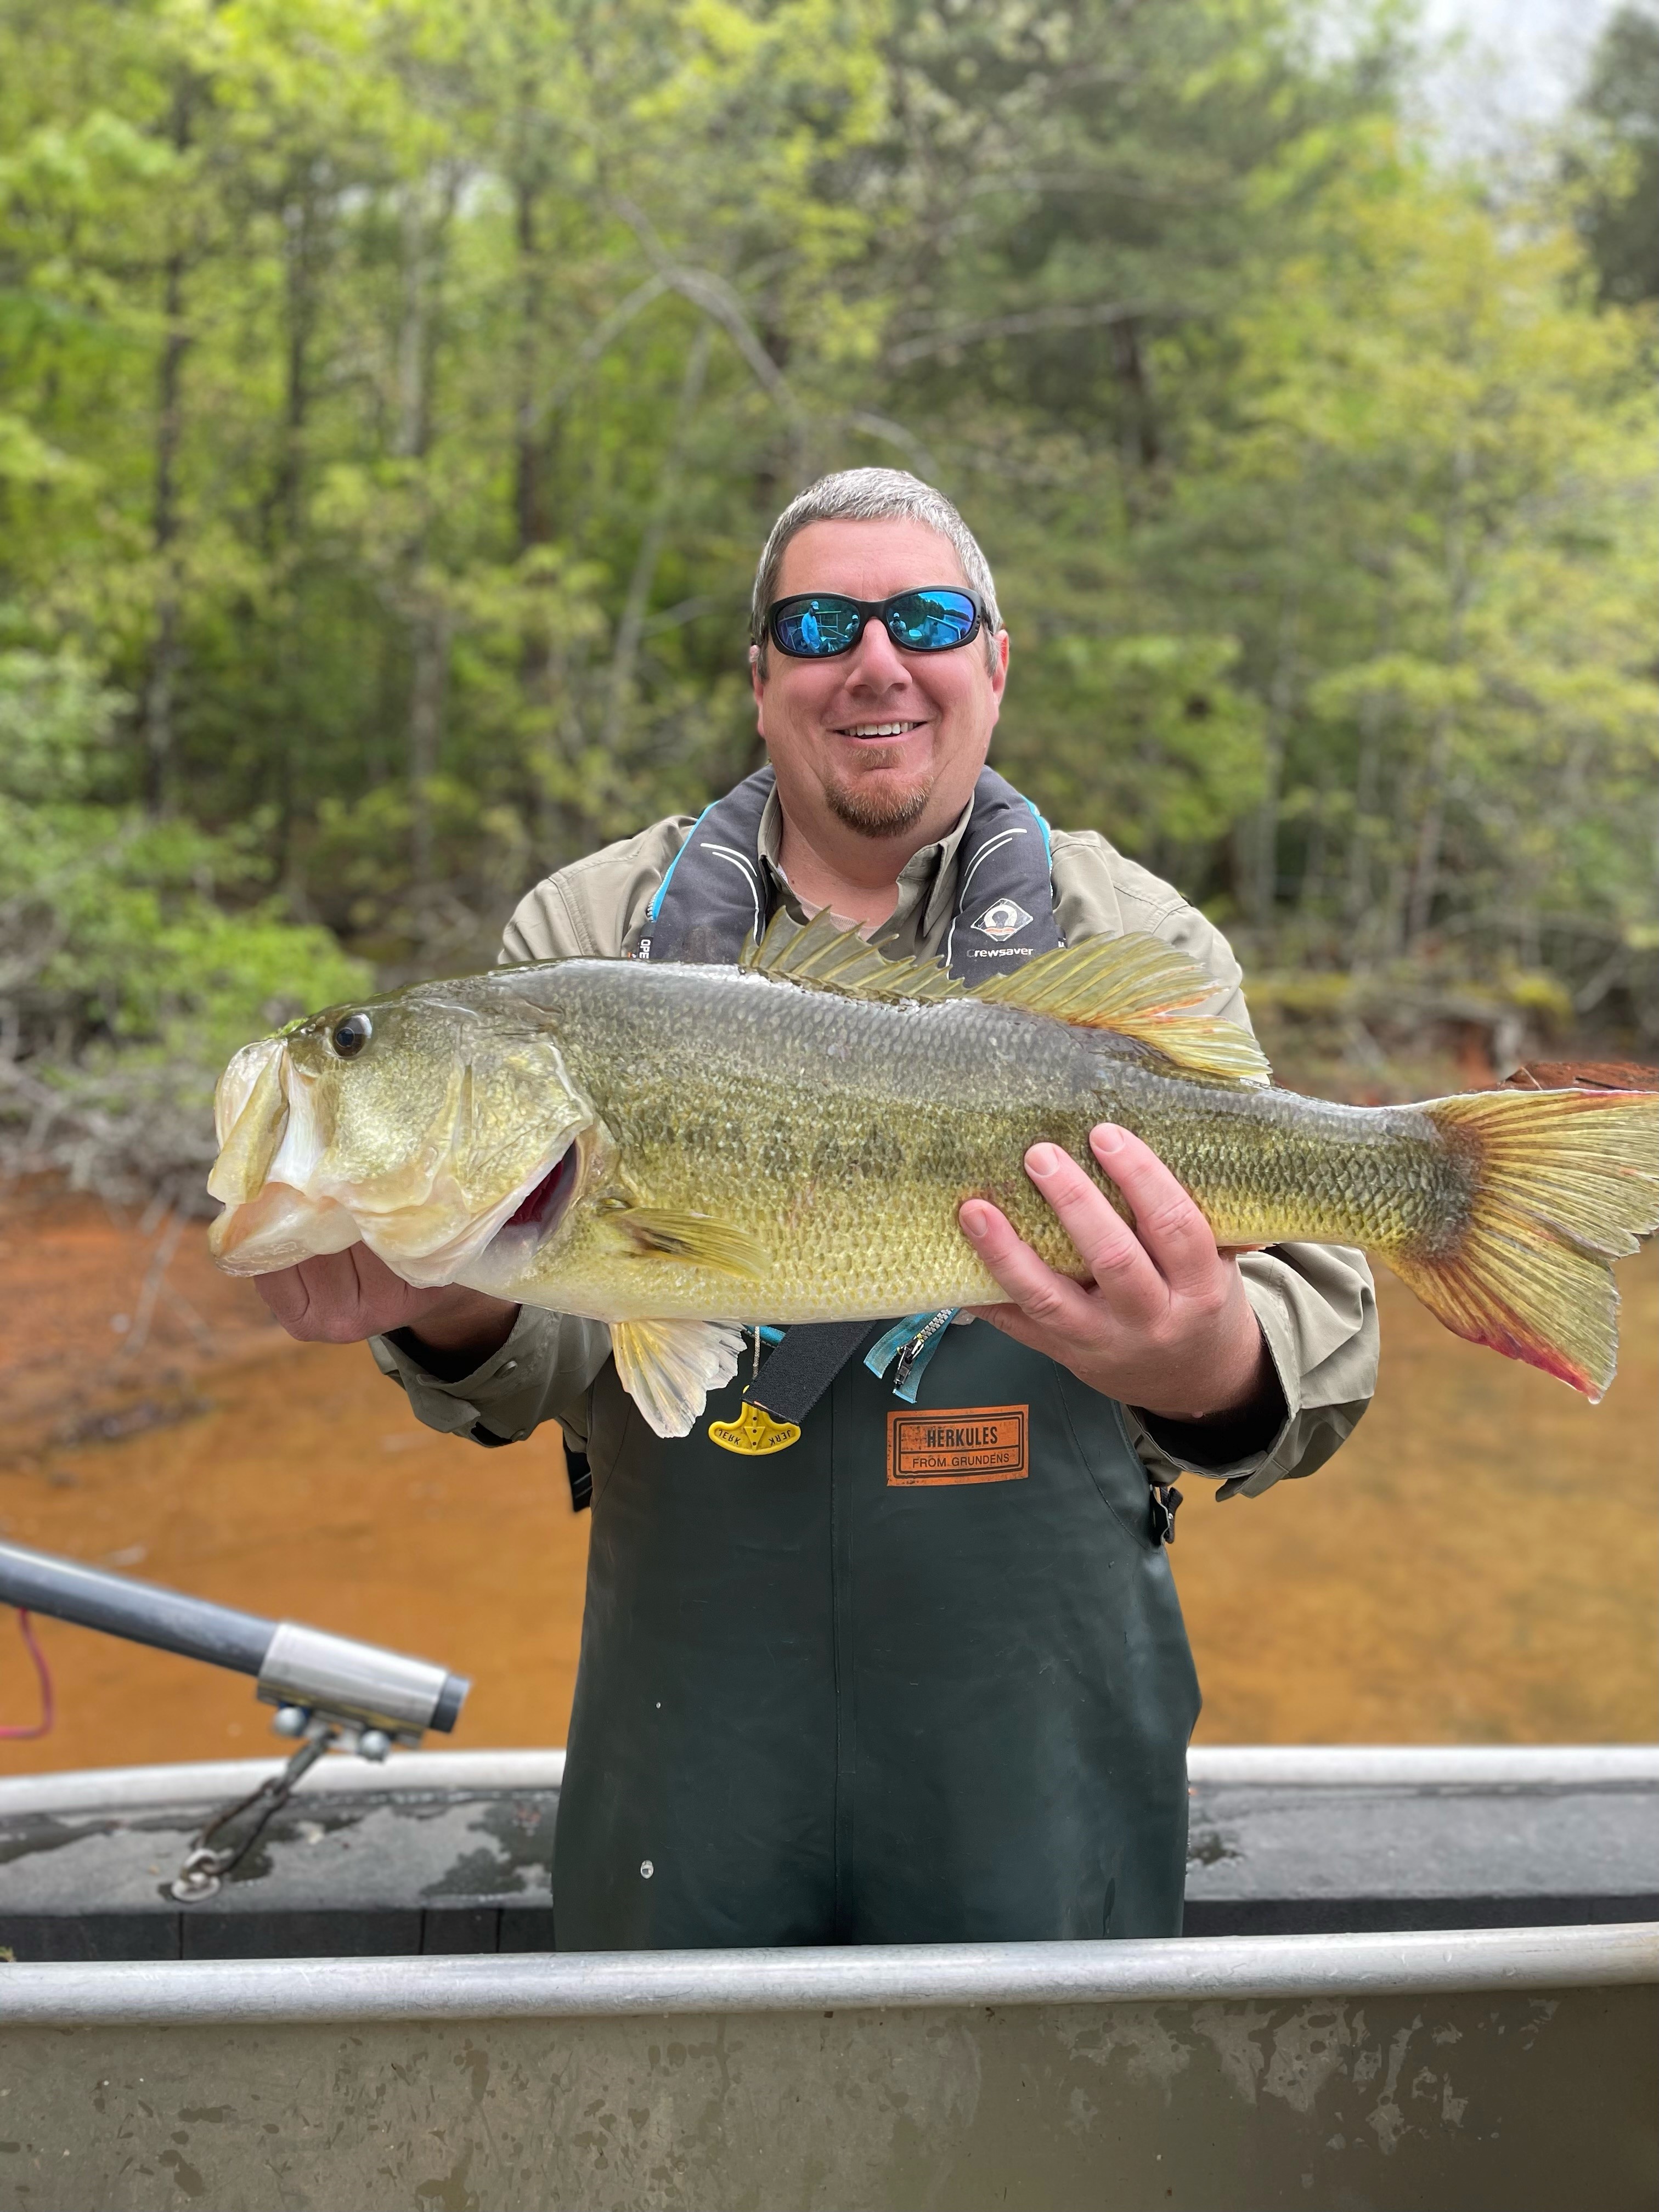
(891, 1115)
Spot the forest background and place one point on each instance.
(394, 395)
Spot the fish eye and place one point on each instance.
(352, 1035)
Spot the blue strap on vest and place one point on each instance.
(713, 898)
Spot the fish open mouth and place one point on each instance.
(542, 1208)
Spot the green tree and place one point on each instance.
(1443, 476)
(1617, 170)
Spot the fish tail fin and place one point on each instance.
(1565, 1182)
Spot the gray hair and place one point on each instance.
(873, 495)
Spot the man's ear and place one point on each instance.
(999, 676)
(757, 685)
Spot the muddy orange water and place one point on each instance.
(1480, 1564)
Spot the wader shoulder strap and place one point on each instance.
(713, 896)
(796, 1374)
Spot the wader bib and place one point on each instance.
(921, 1678)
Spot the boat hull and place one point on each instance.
(1468, 2014)
(1507, 2069)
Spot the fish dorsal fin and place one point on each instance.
(822, 957)
(1137, 987)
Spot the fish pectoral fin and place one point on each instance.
(820, 957)
(1140, 987)
(661, 1233)
(669, 1367)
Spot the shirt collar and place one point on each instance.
(926, 884)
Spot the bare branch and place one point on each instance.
(1008, 326)
(895, 433)
(603, 334)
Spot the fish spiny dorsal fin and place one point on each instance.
(822, 957)
(1136, 987)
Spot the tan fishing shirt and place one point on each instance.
(1315, 1302)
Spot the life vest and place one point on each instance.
(713, 896)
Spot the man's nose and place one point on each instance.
(876, 665)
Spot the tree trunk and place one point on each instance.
(300, 247)
(431, 622)
(1425, 865)
(1357, 911)
(411, 433)
(1139, 442)
(432, 633)
(1425, 869)
(160, 678)
(531, 524)
(1262, 877)
(638, 602)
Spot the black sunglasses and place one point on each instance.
(819, 625)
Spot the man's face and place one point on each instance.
(888, 741)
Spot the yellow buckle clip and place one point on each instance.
(754, 1432)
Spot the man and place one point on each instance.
(822, 1700)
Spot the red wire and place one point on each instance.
(43, 1675)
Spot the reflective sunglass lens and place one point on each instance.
(931, 621)
(815, 628)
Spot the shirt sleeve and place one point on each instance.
(1315, 1303)
(1316, 1307)
(544, 1372)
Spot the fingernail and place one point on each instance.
(976, 1220)
(1043, 1161)
(1109, 1138)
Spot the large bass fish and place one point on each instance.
(676, 1149)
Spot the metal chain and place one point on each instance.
(204, 1868)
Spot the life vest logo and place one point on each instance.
(1005, 918)
(959, 1443)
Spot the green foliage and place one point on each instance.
(1148, 733)
(1440, 471)
(396, 393)
(1617, 164)
(125, 981)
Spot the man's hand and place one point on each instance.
(1165, 1324)
(346, 1297)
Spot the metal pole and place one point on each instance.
(143, 1612)
(305, 1668)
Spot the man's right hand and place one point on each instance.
(346, 1297)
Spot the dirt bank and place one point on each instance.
(1479, 1564)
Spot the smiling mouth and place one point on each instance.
(875, 730)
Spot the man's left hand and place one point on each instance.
(1163, 1324)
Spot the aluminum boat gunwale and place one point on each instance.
(1267, 1766)
(599, 1985)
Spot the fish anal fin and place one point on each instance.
(662, 1232)
(669, 1367)
(820, 957)
(1137, 987)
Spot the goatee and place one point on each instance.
(875, 812)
